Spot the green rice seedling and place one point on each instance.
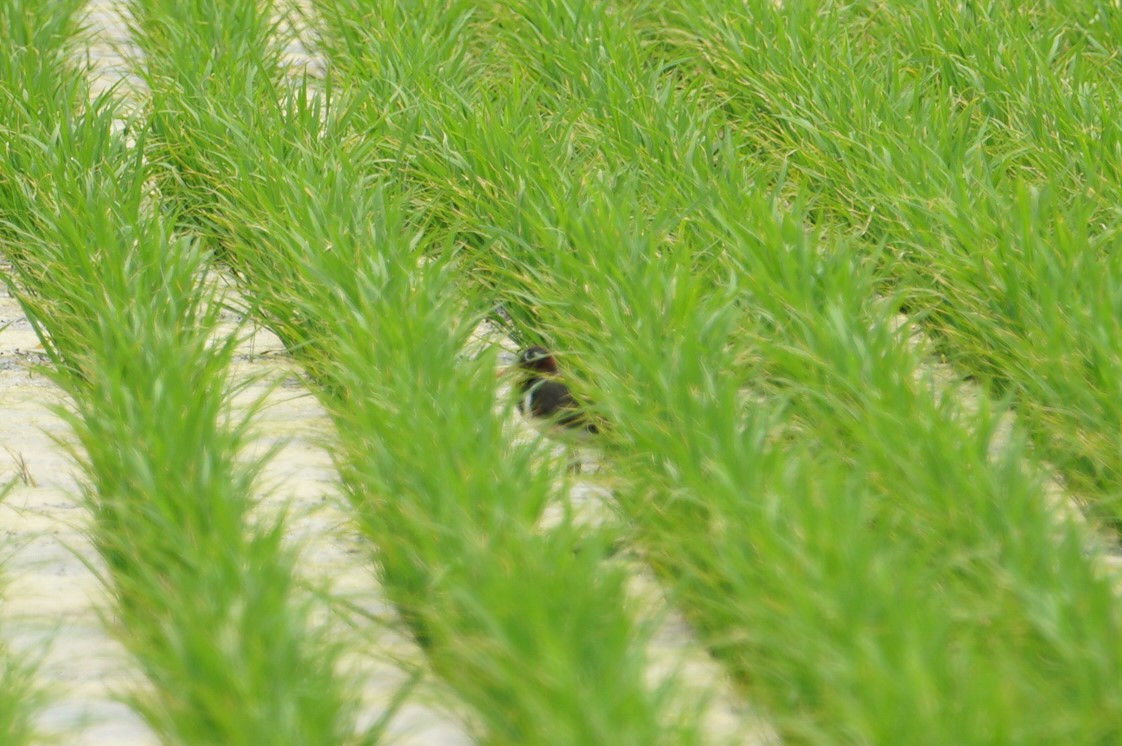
(980, 145)
(833, 529)
(203, 597)
(863, 555)
(36, 39)
(526, 623)
(202, 42)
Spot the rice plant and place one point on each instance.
(836, 524)
(202, 596)
(835, 280)
(527, 624)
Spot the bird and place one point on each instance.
(547, 402)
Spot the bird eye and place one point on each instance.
(538, 359)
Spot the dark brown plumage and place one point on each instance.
(546, 401)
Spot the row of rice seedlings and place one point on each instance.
(862, 554)
(526, 623)
(981, 146)
(35, 37)
(850, 384)
(203, 595)
(932, 570)
(832, 352)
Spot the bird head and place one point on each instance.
(537, 360)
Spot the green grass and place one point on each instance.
(526, 624)
(867, 561)
(203, 597)
(35, 37)
(727, 219)
(978, 146)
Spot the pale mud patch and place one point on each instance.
(108, 40)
